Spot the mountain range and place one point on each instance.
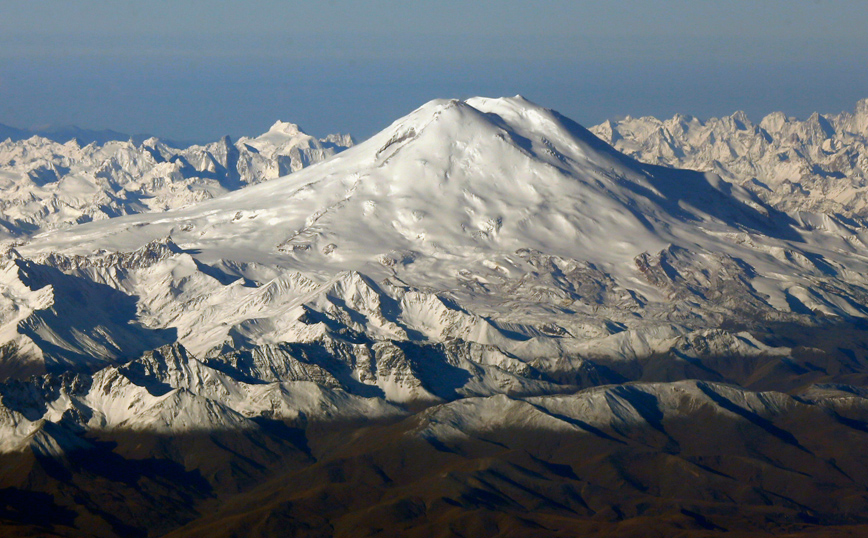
(66, 133)
(47, 184)
(815, 165)
(483, 320)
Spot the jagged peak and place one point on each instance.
(170, 355)
(774, 121)
(159, 365)
(40, 141)
(350, 279)
(9, 252)
(145, 256)
(339, 139)
(152, 142)
(741, 119)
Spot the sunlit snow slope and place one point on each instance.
(452, 183)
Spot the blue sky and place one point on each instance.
(198, 69)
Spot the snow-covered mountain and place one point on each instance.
(815, 165)
(486, 259)
(492, 222)
(48, 185)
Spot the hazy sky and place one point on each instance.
(201, 69)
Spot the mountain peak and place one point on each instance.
(285, 127)
(455, 178)
(741, 120)
(774, 121)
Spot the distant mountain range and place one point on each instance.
(48, 184)
(63, 134)
(817, 165)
